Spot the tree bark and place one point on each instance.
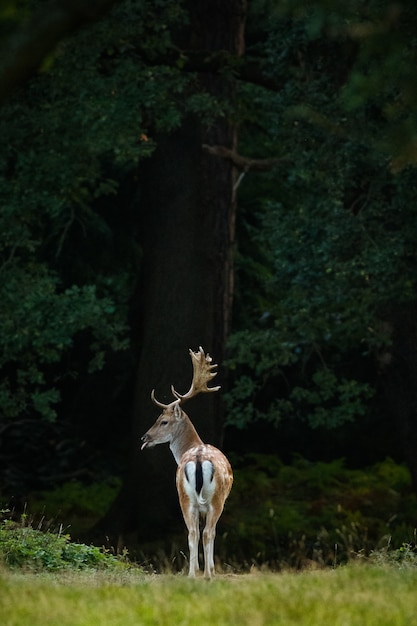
(188, 205)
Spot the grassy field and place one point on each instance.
(347, 596)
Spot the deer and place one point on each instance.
(204, 476)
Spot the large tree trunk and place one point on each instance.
(187, 206)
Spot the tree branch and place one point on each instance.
(26, 49)
(221, 61)
(243, 163)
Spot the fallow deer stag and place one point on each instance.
(204, 476)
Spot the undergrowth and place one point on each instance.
(303, 515)
(31, 549)
(81, 505)
(404, 557)
(315, 513)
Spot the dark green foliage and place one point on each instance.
(80, 505)
(39, 325)
(327, 245)
(277, 515)
(321, 512)
(335, 276)
(22, 546)
(69, 253)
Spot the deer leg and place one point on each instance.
(192, 522)
(209, 534)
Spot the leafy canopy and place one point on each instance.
(327, 244)
(69, 255)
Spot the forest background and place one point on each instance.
(234, 175)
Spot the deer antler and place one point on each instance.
(202, 374)
(160, 404)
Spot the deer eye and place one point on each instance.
(164, 422)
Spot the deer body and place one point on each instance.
(204, 476)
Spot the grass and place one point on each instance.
(352, 595)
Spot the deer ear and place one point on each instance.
(177, 411)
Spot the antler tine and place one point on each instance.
(202, 374)
(160, 404)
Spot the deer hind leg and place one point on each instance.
(191, 518)
(209, 534)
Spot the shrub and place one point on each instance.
(306, 512)
(22, 546)
(404, 557)
(80, 505)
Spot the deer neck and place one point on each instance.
(186, 438)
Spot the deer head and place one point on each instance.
(167, 427)
(173, 425)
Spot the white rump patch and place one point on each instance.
(202, 499)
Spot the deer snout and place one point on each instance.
(146, 439)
